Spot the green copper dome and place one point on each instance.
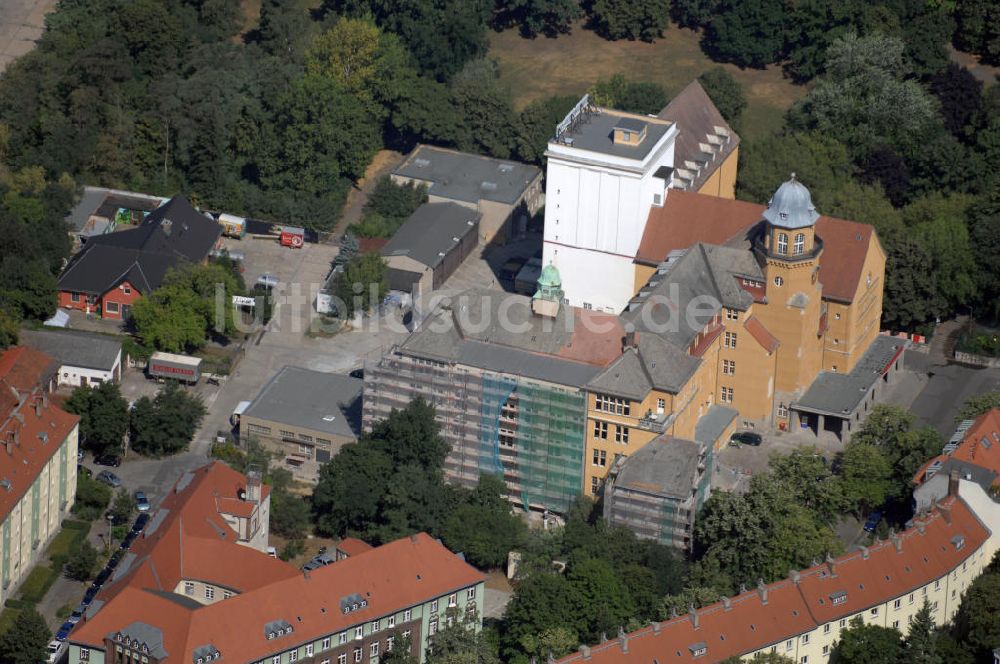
(549, 277)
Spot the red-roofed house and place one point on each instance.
(973, 452)
(801, 617)
(38, 445)
(195, 587)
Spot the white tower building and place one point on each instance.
(605, 170)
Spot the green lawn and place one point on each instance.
(569, 64)
(62, 543)
(38, 583)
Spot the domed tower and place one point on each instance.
(789, 252)
(549, 296)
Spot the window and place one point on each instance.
(778, 281)
(325, 645)
(874, 612)
(226, 594)
(843, 623)
(84, 654)
(805, 659)
(805, 639)
(661, 405)
(293, 655)
(432, 627)
(286, 434)
(111, 307)
(406, 633)
(895, 624)
(358, 632)
(727, 395)
(588, 306)
(189, 588)
(910, 600)
(826, 650)
(75, 297)
(836, 316)
(127, 290)
(621, 434)
(600, 430)
(782, 411)
(730, 340)
(732, 314)
(306, 451)
(434, 606)
(374, 649)
(595, 484)
(209, 592)
(342, 658)
(897, 603)
(657, 199)
(610, 404)
(276, 659)
(788, 644)
(729, 367)
(937, 585)
(343, 638)
(391, 622)
(600, 458)
(256, 428)
(453, 599)
(357, 654)
(470, 593)
(782, 243)
(406, 615)
(800, 244)
(375, 626)
(389, 643)
(826, 628)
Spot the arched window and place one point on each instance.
(782, 243)
(800, 244)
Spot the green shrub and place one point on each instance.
(293, 549)
(17, 604)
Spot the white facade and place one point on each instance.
(77, 376)
(595, 215)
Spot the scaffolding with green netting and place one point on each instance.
(496, 391)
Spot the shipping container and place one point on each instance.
(233, 226)
(177, 367)
(292, 236)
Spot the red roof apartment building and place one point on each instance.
(114, 270)
(934, 560)
(194, 589)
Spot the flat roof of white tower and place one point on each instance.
(593, 131)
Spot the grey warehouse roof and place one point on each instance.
(666, 466)
(431, 232)
(595, 132)
(465, 177)
(77, 349)
(312, 400)
(840, 394)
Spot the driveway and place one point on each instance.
(22, 23)
(949, 385)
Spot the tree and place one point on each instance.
(761, 658)
(82, 562)
(170, 319)
(10, 327)
(165, 424)
(726, 93)
(362, 285)
(978, 28)
(960, 95)
(920, 638)
(26, 640)
(542, 602)
(905, 448)
(630, 19)
(868, 644)
(460, 642)
(350, 488)
(885, 166)
(104, 416)
(388, 206)
(401, 653)
(747, 33)
(535, 125)
(91, 497)
(485, 530)
(123, 507)
(977, 405)
(977, 624)
(486, 121)
(290, 514)
(865, 474)
(910, 294)
(631, 96)
(983, 220)
(864, 99)
(818, 161)
(535, 17)
(808, 476)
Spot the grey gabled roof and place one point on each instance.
(714, 423)
(666, 466)
(840, 394)
(461, 176)
(146, 635)
(431, 232)
(78, 349)
(652, 364)
(315, 400)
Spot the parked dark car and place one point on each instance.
(103, 577)
(109, 478)
(140, 523)
(112, 460)
(746, 438)
(77, 614)
(64, 631)
(357, 373)
(872, 523)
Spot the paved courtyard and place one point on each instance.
(22, 22)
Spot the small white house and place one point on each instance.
(86, 359)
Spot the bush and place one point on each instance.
(388, 207)
(292, 549)
(17, 604)
(82, 562)
(92, 497)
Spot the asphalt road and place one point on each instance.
(949, 386)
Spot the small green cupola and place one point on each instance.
(549, 296)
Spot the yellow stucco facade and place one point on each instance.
(851, 326)
(722, 182)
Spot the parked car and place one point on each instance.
(140, 523)
(112, 460)
(109, 478)
(89, 596)
(54, 651)
(64, 631)
(83, 470)
(141, 502)
(77, 614)
(746, 438)
(79, 455)
(872, 523)
(357, 373)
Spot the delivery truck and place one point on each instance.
(173, 366)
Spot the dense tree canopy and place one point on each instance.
(165, 424)
(104, 417)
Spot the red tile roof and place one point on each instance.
(688, 217)
(747, 623)
(597, 337)
(352, 546)
(767, 341)
(980, 446)
(189, 545)
(25, 368)
(39, 429)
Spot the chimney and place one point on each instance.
(656, 627)
(693, 615)
(622, 639)
(831, 564)
(10, 447)
(45, 400)
(38, 408)
(727, 604)
(864, 552)
(945, 513)
(921, 527)
(630, 340)
(15, 437)
(953, 483)
(794, 576)
(585, 651)
(897, 541)
(604, 637)
(762, 591)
